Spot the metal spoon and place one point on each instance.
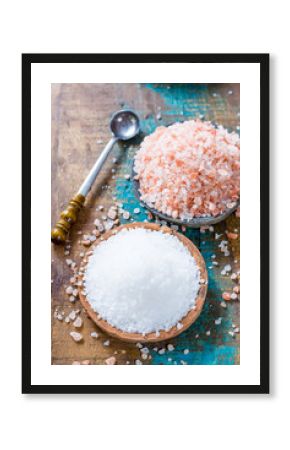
(124, 125)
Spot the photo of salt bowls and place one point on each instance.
(145, 224)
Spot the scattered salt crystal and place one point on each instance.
(77, 337)
(109, 224)
(127, 177)
(126, 215)
(106, 343)
(145, 350)
(136, 210)
(69, 262)
(72, 299)
(111, 361)
(72, 315)
(69, 290)
(161, 351)
(112, 214)
(59, 317)
(234, 296)
(132, 283)
(94, 334)
(186, 351)
(78, 323)
(170, 347)
(218, 321)
(231, 333)
(208, 333)
(99, 225)
(223, 304)
(236, 330)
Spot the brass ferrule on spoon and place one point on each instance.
(125, 125)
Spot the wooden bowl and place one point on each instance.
(187, 320)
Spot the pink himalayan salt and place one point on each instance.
(189, 169)
(232, 235)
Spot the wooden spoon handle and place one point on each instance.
(67, 218)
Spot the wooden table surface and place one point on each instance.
(80, 117)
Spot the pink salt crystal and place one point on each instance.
(232, 235)
(111, 361)
(178, 166)
(226, 296)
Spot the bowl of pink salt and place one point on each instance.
(189, 173)
(144, 283)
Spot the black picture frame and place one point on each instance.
(27, 61)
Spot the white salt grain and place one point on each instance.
(94, 335)
(78, 323)
(142, 281)
(77, 337)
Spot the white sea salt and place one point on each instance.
(142, 281)
(94, 334)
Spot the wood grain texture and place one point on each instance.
(80, 116)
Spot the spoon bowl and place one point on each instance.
(125, 124)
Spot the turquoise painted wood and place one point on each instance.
(207, 342)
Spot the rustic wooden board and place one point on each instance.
(80, 116)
